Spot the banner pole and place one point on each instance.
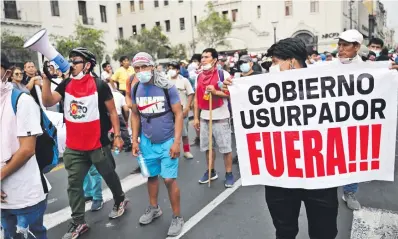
(210, 136)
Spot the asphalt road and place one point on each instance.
(240, 214)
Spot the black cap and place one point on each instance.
(4, 61)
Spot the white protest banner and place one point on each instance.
(318, 127)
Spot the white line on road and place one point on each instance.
(53, 219)
(207, 209)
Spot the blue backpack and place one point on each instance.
(46, 144)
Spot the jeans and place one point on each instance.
(321, 206)
(77, 164)
(351, 188)
(25, 222)
(93, 184)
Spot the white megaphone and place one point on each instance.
(39, 42)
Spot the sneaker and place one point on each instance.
(97, 205)
(177, 223)
(188, 155)
(205, 177)
(75, 230)
(196, 141)
(351, 200)
(150, 214)
(229, 180)
(118, 210)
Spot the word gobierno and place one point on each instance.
(307, 89)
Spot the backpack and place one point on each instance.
(148, 118)
(46, 144)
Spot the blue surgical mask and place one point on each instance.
(144, 76)
(219, 67)
(245, 67)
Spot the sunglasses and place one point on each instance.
(18, 74)
(76, 62)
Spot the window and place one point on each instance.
(120, 32)
(118, 9)
(141, 3)
(314, 6)
(103, 13)
(142, 27)
(224, 14)
(54, 8)
(258, 11)
(167, 23)
(132, 6)
(180, 1)
(10, 10)
(156, 2)
(166, 3)
(195, 20)
(182, 24)
(288, 8)
(83, 11)
(134, 30)
(234, 15)
(157, 24)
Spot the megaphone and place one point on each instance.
(39, 42)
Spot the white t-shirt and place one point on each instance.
(24, 187)
(184, 88)
(105, 75)
(221, 112)
(120, 101)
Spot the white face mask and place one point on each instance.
(172, 73)
(275, 68)
(79, 76)
(207, 66)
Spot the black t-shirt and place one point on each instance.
(104, 94)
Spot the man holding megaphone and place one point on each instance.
(89, 112)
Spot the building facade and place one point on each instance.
(255, 23)
(25, 18)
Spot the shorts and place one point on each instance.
(185, 125)
(156, 158)
(221, 135)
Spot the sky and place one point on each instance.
(392, 17)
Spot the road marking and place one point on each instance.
(207, 209)
(53, 219)
(58, 167)
(49, 201)
(372, 223)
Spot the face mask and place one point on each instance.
(254, 60)
(245, 67)
(78, 76)
(145, 76)
(172, 73)
(345, 60)
(231, 65)
(377, 53)
(207, 66)
(195, 65)
(275, 68)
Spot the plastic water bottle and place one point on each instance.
(141, 163)
(116, 151)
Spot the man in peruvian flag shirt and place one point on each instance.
(89, 112)
(210, 81)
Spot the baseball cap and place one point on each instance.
(351, 36)
(143, 58)
(245, 59)
(4, 61)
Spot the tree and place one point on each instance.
(12, 45)
(151, 41)
(213, 29)
(178, 52)
(83, 36)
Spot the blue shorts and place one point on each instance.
(157, 160)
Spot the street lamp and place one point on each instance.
(274, 24)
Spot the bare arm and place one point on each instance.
(135, 123)
(190, 99)
(178, 117)
(23, 154)
(195, 108)
(49, 98)
(125, 112)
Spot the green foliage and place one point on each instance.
(12, 45)
(213, 29)
(83, 36)
(152, 41)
